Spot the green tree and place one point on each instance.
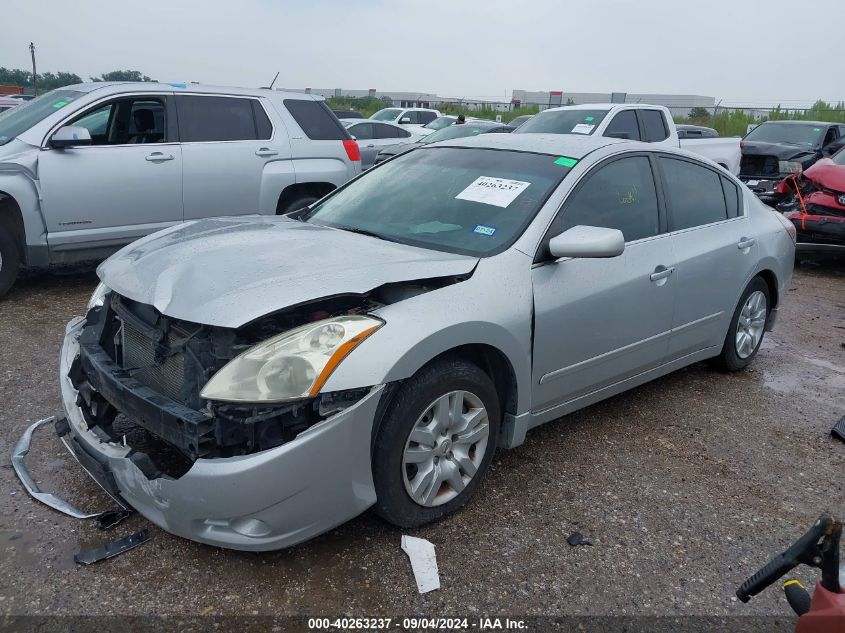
(122, 75)
(699, 114)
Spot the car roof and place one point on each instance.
(603, 106)
(360, 121)
(816, 123)
(553, 144)
(116, 87)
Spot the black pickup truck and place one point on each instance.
(776, 149)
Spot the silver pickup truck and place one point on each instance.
(89, 168)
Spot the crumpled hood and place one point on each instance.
(230, 271)
(827, 174)
(782, 151)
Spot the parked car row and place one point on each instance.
(470, 128)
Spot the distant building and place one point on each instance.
(680, 105)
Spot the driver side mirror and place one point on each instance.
(70, 136)
(587, 241)
(405, 119)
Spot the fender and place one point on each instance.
(276, 175)
(20, 183)
(421, 328)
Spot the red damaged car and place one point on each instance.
(815, 202)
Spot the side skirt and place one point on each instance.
(516, 426)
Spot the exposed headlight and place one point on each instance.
(292, 365)
(99, 296)
(789, 166)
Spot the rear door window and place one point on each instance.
(212, 118)
(316, 120)
(654, 126)
(695, 194)
(362, 131)
(624, 125)
(426, 117)
(619, 195)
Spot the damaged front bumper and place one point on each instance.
(261, 501)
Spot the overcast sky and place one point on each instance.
(750, 51)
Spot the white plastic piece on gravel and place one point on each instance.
(423, 562)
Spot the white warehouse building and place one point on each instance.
(680, 105)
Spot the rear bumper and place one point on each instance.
(262, 501)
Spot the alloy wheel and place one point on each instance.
(445, 448)
(751, 323)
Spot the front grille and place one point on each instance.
(759, 166)
(165, 375)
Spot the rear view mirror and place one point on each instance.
(70, 136)
(587, 241)
(405, 119)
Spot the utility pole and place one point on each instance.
(34, 75)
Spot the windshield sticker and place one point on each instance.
(583, 128)
(817, 129)
(563, 161)
(60, 104)
(588, 119)
(488, 231)
(499, 192)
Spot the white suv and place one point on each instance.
(91, 167)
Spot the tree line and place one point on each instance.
(49, 80)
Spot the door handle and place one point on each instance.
(265, 151)
(369, 146)
(657, 275)
(746, 242)
(157, 157)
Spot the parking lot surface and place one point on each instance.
(685, 486)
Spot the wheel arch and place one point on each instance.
(11, 219)
(303, 189)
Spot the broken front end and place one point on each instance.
(251, 476)
(814, 201)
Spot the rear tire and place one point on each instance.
(747, 329)
(10, 259)
(435, 442)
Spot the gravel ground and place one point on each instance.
(685, 486)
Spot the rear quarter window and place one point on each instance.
(316, 120)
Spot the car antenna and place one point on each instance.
(274, 81)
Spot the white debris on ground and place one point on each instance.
(423, 562)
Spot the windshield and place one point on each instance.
(19, 119)
(388, 114)
(454, 131)
(789, 133)
(462, 200)
(567, 121)
(440, 122)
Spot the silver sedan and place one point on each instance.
(281, 375)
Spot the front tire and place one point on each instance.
(435, 443)
(748, 327)
(10, 259)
